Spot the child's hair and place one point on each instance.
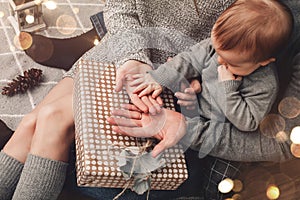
(260, 27)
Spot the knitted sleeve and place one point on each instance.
(126, 34)
(184, 66)
(245, 106)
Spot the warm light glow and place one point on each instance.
(237, 197)
(271, 125)
(295, 135)
(23, 41)
(1, 14)
(76, 10)
(51, 5)
(281, 136)
(289, 107)
(225, 185)
(273, 192)
(96, 42)
(295, 150)
(66, 24)
(29, 19)
(237, 185)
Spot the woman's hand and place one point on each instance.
(168, 126)
(124, 78)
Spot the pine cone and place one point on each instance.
(21, 84)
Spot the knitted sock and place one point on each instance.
(60, 53)
(10, 171)
(41, 178)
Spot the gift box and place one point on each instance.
(102, 154)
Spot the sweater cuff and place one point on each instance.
(139, 56)
(231, 85)
(167, 77)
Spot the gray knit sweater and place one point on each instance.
(152, 30)
(242, 103)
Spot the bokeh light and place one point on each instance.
(237, 197)
(271, 125)
(67, 24)
(295, 150)
(281, 136)
(273, 192)
(1, 14)
(237, 185)
(295, 135)
(76, 10)
(225, 185)
(284, 183)
(23, 41)
(289, 107)
(51, 5)
(29, 19)
(96, 42)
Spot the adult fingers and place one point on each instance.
(123, 122)
(127, 113)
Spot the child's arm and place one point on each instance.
(246, 105)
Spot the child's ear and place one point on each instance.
(264, 63)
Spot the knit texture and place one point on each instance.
(41, 178)
(139, 29)
(10, 171)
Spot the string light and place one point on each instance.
(225, 185)
(273, 192)
(295, 135)
(29, 19)
(96, 42)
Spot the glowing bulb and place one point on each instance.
(273, 192)
(238, 185)
(51, 5)
(1, 14)
(96, 42)
(295, 135)
(295, 150)
(29, 19)
(225, 185)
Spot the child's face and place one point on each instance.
(237, 63)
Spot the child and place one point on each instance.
(239, 82)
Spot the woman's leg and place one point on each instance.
(19, 144)
(39, 172)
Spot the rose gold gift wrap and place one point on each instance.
(97, 146)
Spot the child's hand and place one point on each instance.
(188, 97)
(225, 74)
(145, 85)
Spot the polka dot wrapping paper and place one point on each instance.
(97, 146)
